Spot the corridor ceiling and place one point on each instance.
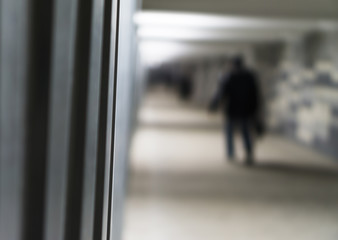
(307, 9)
(160, 25)
(171, 29)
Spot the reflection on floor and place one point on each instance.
(181, 186)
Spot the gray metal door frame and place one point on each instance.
(58, 79)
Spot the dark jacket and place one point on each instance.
(239, 94)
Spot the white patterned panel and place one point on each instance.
(308, 75)
(324, 66)
(305, 125)
(296, 80)
(327, 94)
(314, 122)
(334, 75)
(286, 66)
(322, 120)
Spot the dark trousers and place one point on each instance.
(244, 125)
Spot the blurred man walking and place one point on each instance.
(239, 94)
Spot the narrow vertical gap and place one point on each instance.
(114, 120)
(78, 122)
(37, 117)
(103, 115)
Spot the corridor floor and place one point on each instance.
(182, 188)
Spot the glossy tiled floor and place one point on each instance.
(182, 188)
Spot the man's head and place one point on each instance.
(237, 62)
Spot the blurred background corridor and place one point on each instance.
(181, 182)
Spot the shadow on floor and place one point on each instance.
(297, 169)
